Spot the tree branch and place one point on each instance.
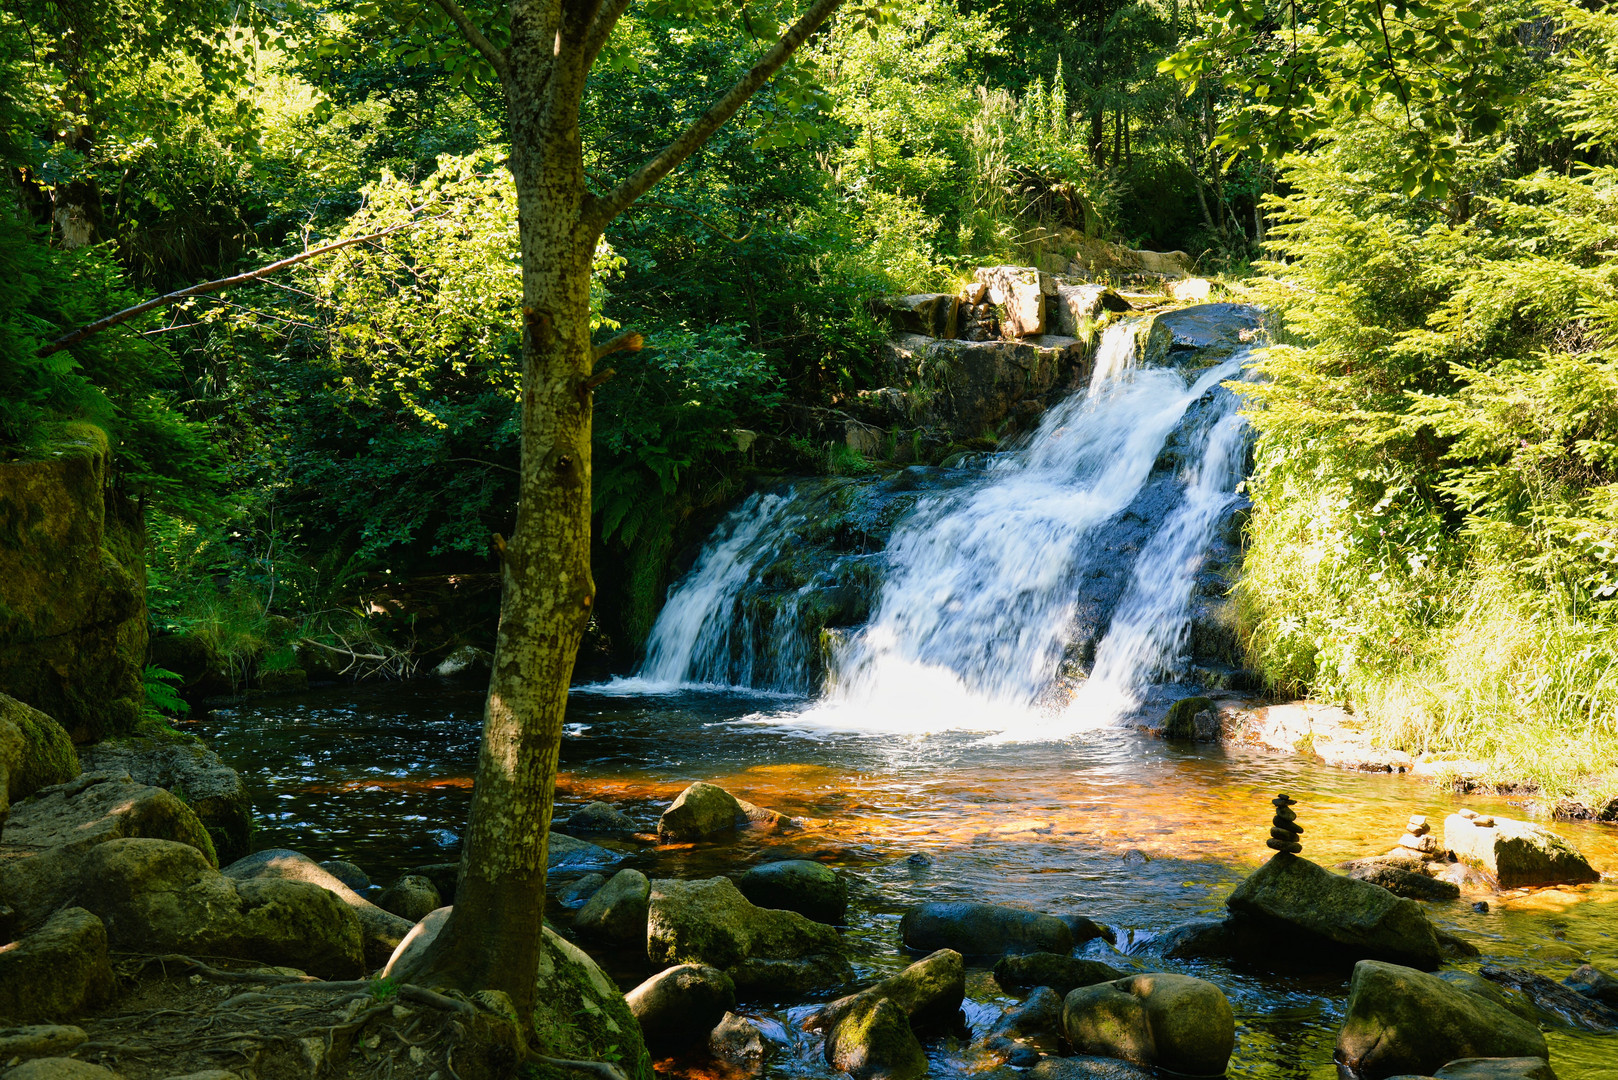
(628, 341)
(472, 34)
(606, 17)
(621, 197)
(215, 286)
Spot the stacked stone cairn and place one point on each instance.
(1419, 839)
(1284, 828)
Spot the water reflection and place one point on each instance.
(1134, 833)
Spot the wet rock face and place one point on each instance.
(983, 929)
(933, 314)
(1403, 1021)
(73, 630)
(1063, 974)
(1172, 1022)
(970, 387)
(1515, 853)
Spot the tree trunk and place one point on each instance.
(1098, 138)
(493, 938)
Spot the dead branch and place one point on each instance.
(215, 286)
(628, 341)
(599, 1069)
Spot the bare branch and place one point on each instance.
(606, 17)
(215, 286)
(621, 197)
(599, 1069)
(471, 33)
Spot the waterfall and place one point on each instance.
(979, 597)
(983, 579)
(704, 634)
(1153, 620)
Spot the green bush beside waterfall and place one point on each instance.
(1435, 532)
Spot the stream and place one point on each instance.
(941, 674)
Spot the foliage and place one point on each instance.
(1435, 537)
(162, 699)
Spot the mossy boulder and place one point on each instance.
(699, 812)
(1305, 904)
(929, 992)
(874, 1041)
(1403, 1021)
(1181, 721)
(617, 910)
(58, 971)
(381, 928)
(35, 752)
(679, 1006)
(213, 790)
(1171, 1022)
(710, 922)
(811, 889)
(73, 628)
(1516, 853)
(982, 929)
(1064, 974)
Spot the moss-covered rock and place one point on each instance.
(58, 971)
(1181, 721)
(34, 753)
(73, 608)
(1174, 1022)
(875, 1042)
(213, 790)
(1064, 974)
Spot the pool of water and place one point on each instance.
(1132, 832)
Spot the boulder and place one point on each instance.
(1400, 1020)
(600, 817)
(1172, 1022)
(677, 1008)
(1515, 853)
(1075, 308)
(47, 836)
(1086, 1067)
(468, 660)
(1019, 291)
(762, 950)
(446, 876)
(1085, 929)
(982, 929)
(411, 898)
(809, 888)
(1231, 937)
(699, 812)
(1298, 897)
(349, 874)
(1401, 878)
(737, 1042)
(967, 388)
(39, 1040)
(58, 971)
(1205, 328)
(562, 852)
(213, 790)
(874, 1041)
(1473, 983)
(1592, 982)
(578, 1011)
(60, 1068)
(576, 894)
(930, 991)
(1064, 974)
(35, 752)
(382, 930)
(1497, 1068)
(762, 817)
(934, 314)
(1195, 719)
(160, 896)
(618, 909)
(1552, 1000)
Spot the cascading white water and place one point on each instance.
(979, 597)
(703, 635)
(981, 585)
(1153, 620)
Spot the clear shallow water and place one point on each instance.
(1132, 832)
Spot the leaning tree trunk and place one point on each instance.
(494, 935)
